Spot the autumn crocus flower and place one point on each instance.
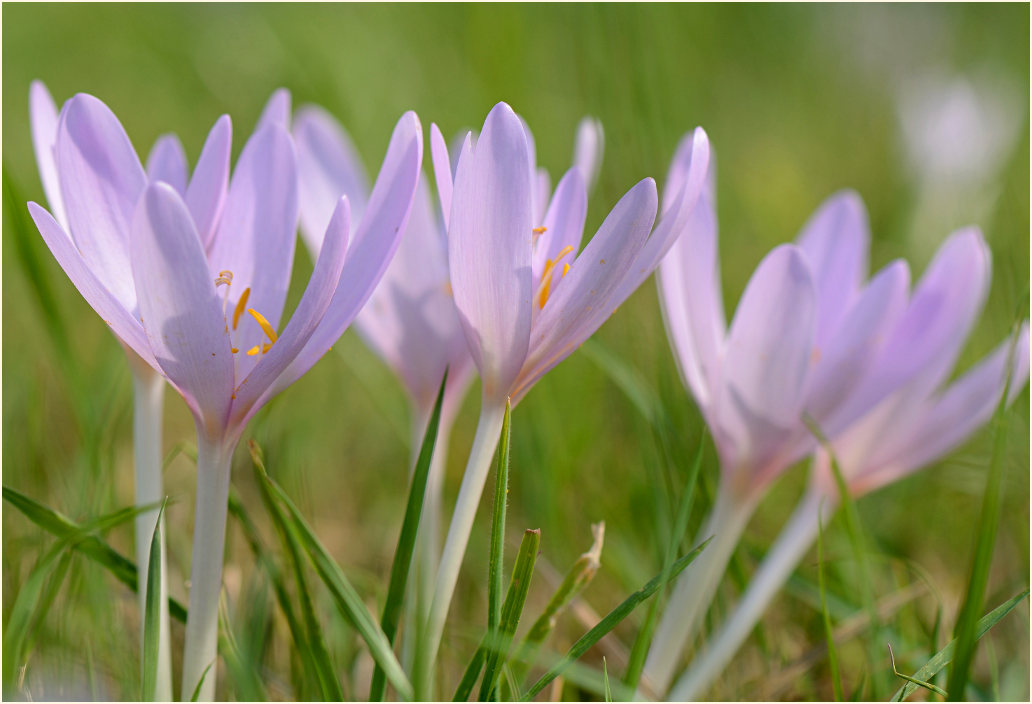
(911, 429)
(526, 297)
(207, 315)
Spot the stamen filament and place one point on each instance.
(241, 304)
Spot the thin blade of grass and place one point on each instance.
(612, 619)
(197, 690)
(605, 680)
(151, 614)
(313, 651)
(945, 656)
(512, 609)
(344, 595)
(829, 634)
(407, 540)
(244, 678)
(988, 523)
(472, 672)
(495, 564)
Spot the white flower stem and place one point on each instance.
(484, 442)
(148, 406)
(696, 587)
(791, 545)
(200, 650)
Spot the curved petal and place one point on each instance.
(371, 248)
(181, 311)
(587, 150)
(489, 245)
(206, 193)
(765, 365)
(256, 236)
(276, 110)
(43, 121)
(583, 299)
(167, 162)
(563, 223)
(303, 323)
(690, 168)
(328, 166)
(835, 240)
(442, 170)
(121, 321)
(101, 181)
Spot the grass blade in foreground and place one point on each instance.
(611, 621)
(344, 595)
(512, 609)
(943, 658)
(469, 677)
(836, 681)
(152, 614)
(407, 539)
(496, 560)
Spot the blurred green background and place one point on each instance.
(799, 101)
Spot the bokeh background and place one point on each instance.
(921, 109)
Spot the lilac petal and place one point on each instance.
(587, 150)
(181, 310)
(43, 120)
(442, 170)
(835, 240)
(563, 223)
(206, 193)
(303, 323)
(690, 168)
(583, 299)
(328, 166)
(276, 110)
(122, 323)
(490, 243)
(101, 181)
(541, 188)
(768, 354)
(256, 236)
(372, 247)
(167, 162)
(692, 302)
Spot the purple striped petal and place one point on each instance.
(490, 243)
(587, 150)
(181, 311)
(276, 110)
(43, 122)
(167, 162)
(442, 170)
(328, 166)
(206, 194)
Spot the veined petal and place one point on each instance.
(563, 223)
(371, 248)
(206, 193)
(43, 122)
(167, 162)
(541, 189)
(442, 170)
(490, 249)
(763, 378)
(256, 236)
(101, 181)
(835, 241)
(587, 150)
(303, 323)
(181, 311)
(122, 323)
(328, 166)
(583, 299)
(276, 110)
(690, 168)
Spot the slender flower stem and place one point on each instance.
(484, 442)
(148, 404)
(696, 587)
(795, 540)
(213, 465)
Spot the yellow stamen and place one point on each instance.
(234, 350)
(566, 268)
(241, 304)
(546, 276)
(253, 351)
(225, 277)
(266, 326)
(539, 230)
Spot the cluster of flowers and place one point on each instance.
(191, 270)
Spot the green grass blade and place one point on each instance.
(945, 656)
(244, 678)
(93, 547)
(512, 609)
(605, 680)
(344, 595)
(469, 677)
(495, 566)
(152, 614)
(833, 665)
(197, 690)
(988, 523)
(313, 651)
(407, 540)
(612, 619)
